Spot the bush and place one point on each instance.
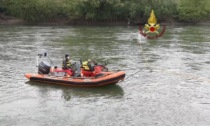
(100, 10)
(37, 10)
(140, 10)
(103, 10)
(193, 10)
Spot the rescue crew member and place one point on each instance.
(66, 65)
(91, 69)
(88, 65)
(66, 62)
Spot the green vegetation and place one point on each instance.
(37, 10)
(106, 10)
(193, 10)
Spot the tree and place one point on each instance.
(193, 10)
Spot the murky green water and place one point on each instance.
(172, 88)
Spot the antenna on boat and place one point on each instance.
(80, 60)
(45, 55)
(37, 59)
(105, 63)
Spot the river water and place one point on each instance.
(167, 79)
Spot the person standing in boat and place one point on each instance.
(66, 65)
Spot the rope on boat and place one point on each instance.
(139, 43)
(146, 60)
(133, 74)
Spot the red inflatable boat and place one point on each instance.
(106, 79)
(81, 78)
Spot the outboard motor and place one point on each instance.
(44, 68)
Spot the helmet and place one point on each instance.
(66, 55)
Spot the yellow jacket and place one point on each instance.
(85, 65)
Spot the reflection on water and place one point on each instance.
(109, 91)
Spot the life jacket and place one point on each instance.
(85, 65)
(66, 64)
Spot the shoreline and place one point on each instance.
(8, 20)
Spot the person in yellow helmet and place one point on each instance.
(88, 65)
(91, 69)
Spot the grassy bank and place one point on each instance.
(136, 11)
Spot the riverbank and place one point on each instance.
(9, 20)
(103, 12)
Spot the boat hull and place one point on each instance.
(107, 79)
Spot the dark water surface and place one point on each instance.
(173, 87)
